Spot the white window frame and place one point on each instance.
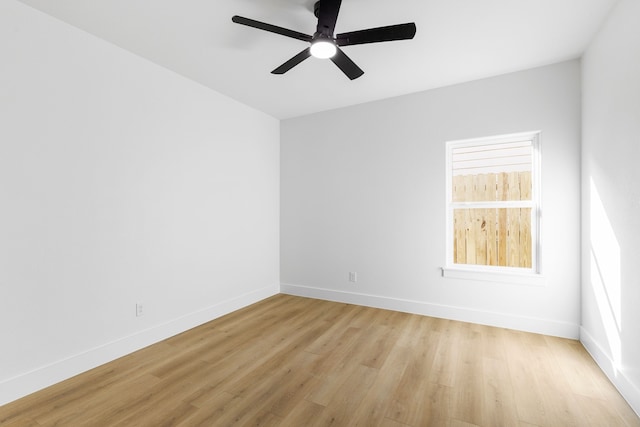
(533, 275)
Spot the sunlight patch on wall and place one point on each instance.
(606, 273)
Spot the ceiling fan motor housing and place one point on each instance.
(316, 8)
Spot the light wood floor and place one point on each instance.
(293, 361)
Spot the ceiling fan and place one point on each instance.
(324, 44)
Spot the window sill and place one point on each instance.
(530, 279)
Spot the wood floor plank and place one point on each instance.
(378, 399)
(598, 412)
(334, 367)
(499, 401)
(528, 397)
(280, 388)
(386, 422)
(103, 406)
(340, 408)
(437, 405)
(263, 419)
(302, 413)
(163, 415)
(381, 339)
(443, 371)
(525, 424)
(458, 423)
(557, 395)
(493, 343)
(261, 364)
(20, 422)
(583, 378)
(97, 382)
(291, 361)
(468, 390)
(409, 401)
(334, 337)
(293, 392)
(213, 407)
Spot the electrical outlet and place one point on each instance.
(139, 310)
(353, 276)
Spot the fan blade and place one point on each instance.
(293, 62)
(375, 35)
(327, 16)
(346, 65)
(271, 28)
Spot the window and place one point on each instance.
(493, 209)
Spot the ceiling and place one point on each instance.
(456, 41)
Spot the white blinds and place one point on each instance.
(492, 158)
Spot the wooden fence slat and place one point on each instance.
(469, 187)
(490, 218)
(502, 237)
(491, 194)
(513, 241)
(470, 237)
(525, 185)
(481, 188)
(492, 190)
(480, 226)
(458, 188)
(513, 186)
(502, 186)
(492, 238)
(525, 238)
(460, 247)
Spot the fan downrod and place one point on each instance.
(316, 8)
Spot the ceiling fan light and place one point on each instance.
(323, 49)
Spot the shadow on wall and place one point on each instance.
(605, 275)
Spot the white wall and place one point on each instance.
(120, 182)
(611, 200)
(363, 189)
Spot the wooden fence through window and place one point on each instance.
(492, 236)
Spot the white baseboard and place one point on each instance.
(628, 390)
(30, 382)
(502, 320)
